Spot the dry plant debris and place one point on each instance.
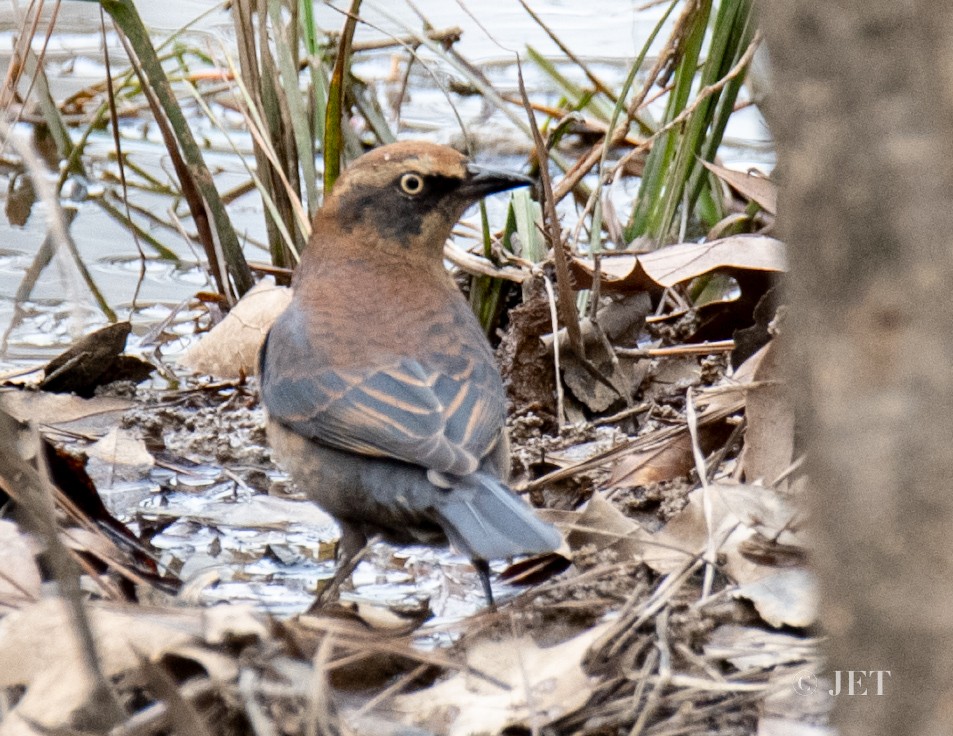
(230, 349)
(675, 264)
(680, 604)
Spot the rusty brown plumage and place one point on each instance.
(383, 398)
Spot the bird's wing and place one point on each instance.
(445, 414)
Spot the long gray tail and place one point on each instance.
(485, 520)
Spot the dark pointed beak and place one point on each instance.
(481, 181)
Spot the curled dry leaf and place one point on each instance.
(671, 457)
(95, 416)
(120, 455)
(39, 650)
(740, 512)
(676, 264)
(749, 648)
(232, 623)
(535, 687)
(753, 186)
(379, 618)
(620, 322)
(784, 598)
(121, 447)
(602, 525)
(255, 512)
(94, 361)
(230, 349)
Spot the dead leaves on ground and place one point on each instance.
(20, 581)
(753, 185)
(234, 663)
(532, 687)
(230, 349)
(738, 519)
(758, 542)
(755, 530)
(93, 361)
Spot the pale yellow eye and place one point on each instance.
(412, 184)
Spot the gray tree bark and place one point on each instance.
(862, 109)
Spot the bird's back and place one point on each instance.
(415, 383)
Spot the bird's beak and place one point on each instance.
(481, 182)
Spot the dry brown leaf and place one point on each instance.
(86, 540)
(93, 361)
(786, 598)
(756, 187)
(601, 524)
(673, 375)
(543, 684)
(230, 349)
(221, 668)
(769, 436)
(672, 459)
(746, 371)
(678, 263)
(39, 650)
(675, 264)
(255, 512)
(20, 581)
(121, 447)
(95, 416)
(234, 622)
(380, 618)
(739, 513)
(120, 455)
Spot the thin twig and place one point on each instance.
(664, 675)
(699, 348)
(554, 317)
(711, 545)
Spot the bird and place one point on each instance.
(383, 399)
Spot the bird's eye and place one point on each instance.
(412, 184)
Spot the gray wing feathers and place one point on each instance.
(446, 418)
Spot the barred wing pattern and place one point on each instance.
(445, 416)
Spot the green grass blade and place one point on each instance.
(204, 201)
(334, 114)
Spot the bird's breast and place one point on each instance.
(360, 312)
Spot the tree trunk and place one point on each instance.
(862, 109)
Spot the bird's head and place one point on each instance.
(409, 195)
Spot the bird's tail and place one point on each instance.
(485, 520)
